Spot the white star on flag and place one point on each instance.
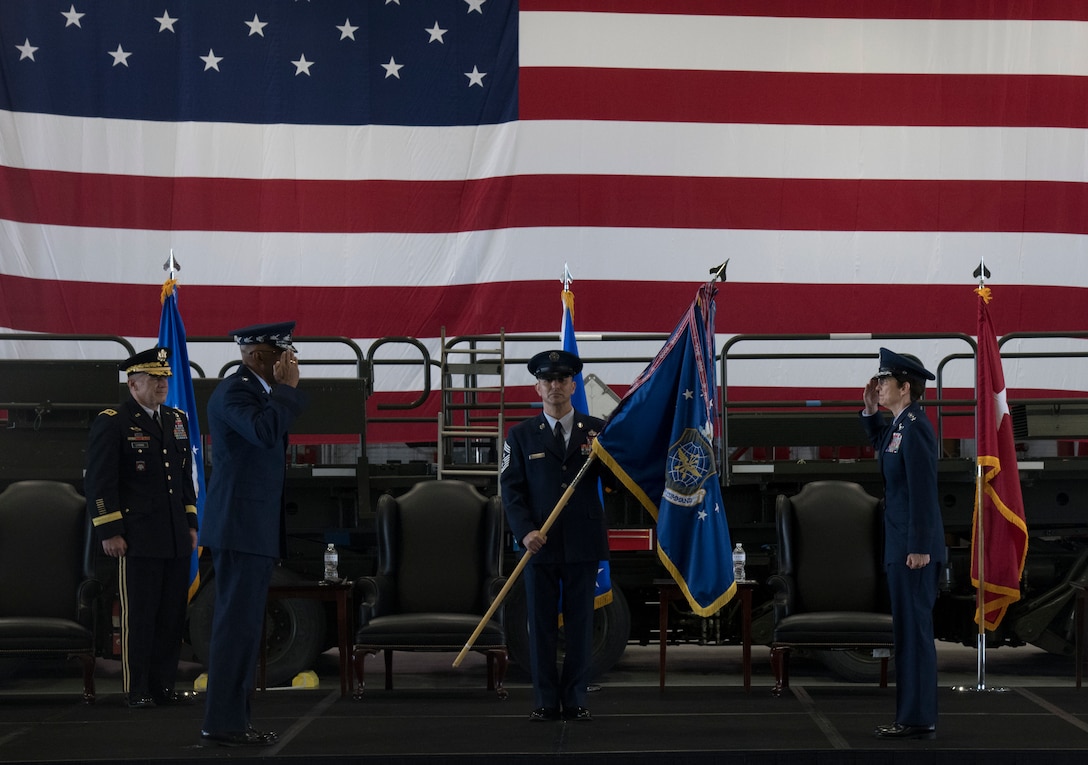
(1001, 407)
(436, 33)
(256, 27)
(392, 69)
(475, 77)
(347, 30)
(73, 16)
(165, 22)
(211, 61)
(476, 5)
(302, 66)
(26, 50)
(120, 56)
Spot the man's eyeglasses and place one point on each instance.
(267, 352)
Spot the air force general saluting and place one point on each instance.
(906, 449)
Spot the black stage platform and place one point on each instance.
(438, 714)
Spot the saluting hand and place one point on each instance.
(285, 371)
(871, 396)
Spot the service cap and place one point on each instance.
(278, 334)
(554, 364)
(902, 366)
(153, 361)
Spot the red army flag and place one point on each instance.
(998, 498)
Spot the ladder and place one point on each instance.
(471, 421)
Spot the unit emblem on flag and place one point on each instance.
(690, 463)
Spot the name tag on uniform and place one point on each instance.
(893, 445)
(537, 456)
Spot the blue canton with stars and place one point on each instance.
(334, 62)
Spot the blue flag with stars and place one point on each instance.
(660, 443)
(602, 591)
(181, 396)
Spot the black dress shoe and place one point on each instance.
(578, 713)
(540, 714)
(270, 737)
(174, 698)
(898, 730)
(250, 737)
(136, 701)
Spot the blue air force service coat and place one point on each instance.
(907, 453)
(534, 477)
(245, 507)
(139, 481)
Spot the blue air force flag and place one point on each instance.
(181, 396)
(660, 442)
(602, 591)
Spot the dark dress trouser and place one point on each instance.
(241, 589)
(542, 588)
(913, 595)
(154, 596)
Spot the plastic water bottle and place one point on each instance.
(332, 562)
(739, 559)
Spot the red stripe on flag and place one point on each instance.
(803, 98)
(216, 204)
(1074, 10)
(41, 305)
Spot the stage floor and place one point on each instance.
(444, 714)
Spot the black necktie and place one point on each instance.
(155, 417)
(560, 442)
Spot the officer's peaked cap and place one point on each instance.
(153, 361)
(555, 364)
(278, 334)
(902, 366)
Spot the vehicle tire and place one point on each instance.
(857, 666)
(294, 630)
(611, 631)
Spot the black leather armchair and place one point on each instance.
(830, 589)
(439, 550)
(49, 596)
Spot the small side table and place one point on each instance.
(668, 590)
(1080, 626)
(327, 591)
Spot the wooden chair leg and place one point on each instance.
(358, 658)
(88, 662)
(780, 658)
(497, 658)
(388, 669)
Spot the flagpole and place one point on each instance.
(980, 538)
(717, 274)
(551, 519)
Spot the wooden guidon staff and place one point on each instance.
(524, 560)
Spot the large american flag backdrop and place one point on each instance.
(392, 167)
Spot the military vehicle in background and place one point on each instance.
(351, 445)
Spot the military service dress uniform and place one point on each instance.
(536, 471)
(139, 485)
(244, 526)
(906, 450)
